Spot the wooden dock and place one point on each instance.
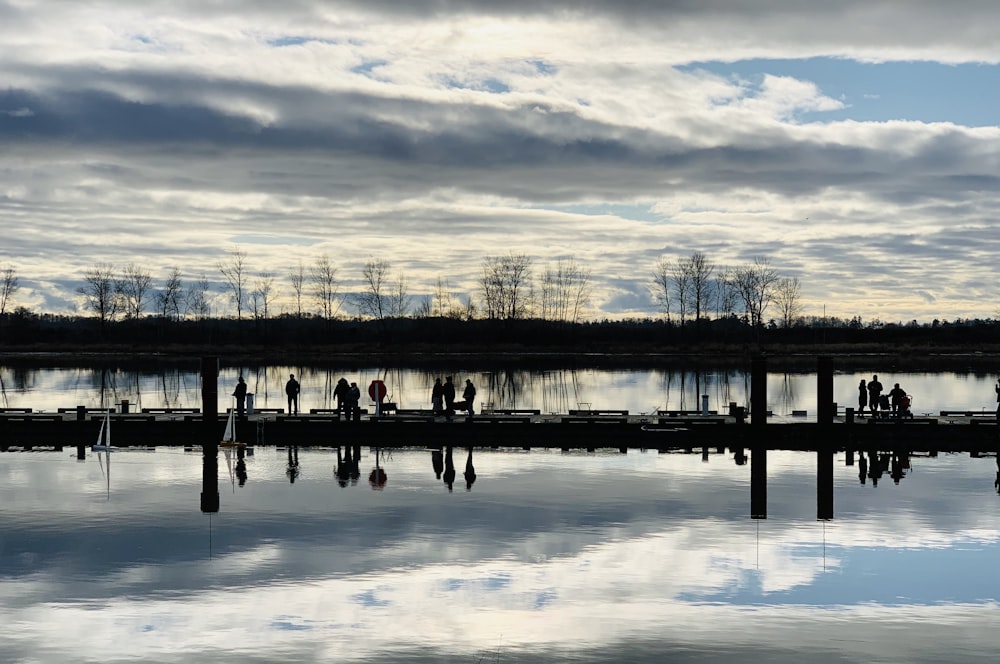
(966, 431)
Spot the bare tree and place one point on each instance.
(787, 298)
(100, 292)
(725, 294)
(564, 291)
(373, 301)
(323, 277)
(506, 286)
(425, 307)
(234, 272)
(444, 301)
(297, 276)
(135, 285)
(262, 295)
(196, 299)
(8, 286)
(168, 300)
(699, 271)
(400, 299)
(681, 278)
(661, 286)
(754, 283)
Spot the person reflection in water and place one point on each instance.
(437, 462)
(996, 482)
(862, 467)
(470, 472)
(449, 469)
(348, 466)
(293, 463)
(343, 470)
(241, 466)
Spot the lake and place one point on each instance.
(546, 557)
(639, 391)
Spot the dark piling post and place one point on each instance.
(758, 483)
(825, 412)
(758, 391)
(824, 485)
(210, 478)
(125, 406)
(81, 448)
(210, 434)
(824, 390)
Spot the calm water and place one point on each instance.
(550, 556)
(549, 391)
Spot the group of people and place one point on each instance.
(347, 395)
(443, 398)
(894, 403)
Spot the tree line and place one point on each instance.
(508, 287)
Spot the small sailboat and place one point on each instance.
(103, 443)
(229, 435)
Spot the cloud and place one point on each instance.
(174, 130)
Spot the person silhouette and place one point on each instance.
(342, 392)
(449, 398)
(862, 397)
(469, 396)
(896, 395)
(292, 389)
(874, 393)
(241, 396)
(437, 397)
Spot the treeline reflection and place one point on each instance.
(549, 390)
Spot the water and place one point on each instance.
(549, 556)
(639, 391)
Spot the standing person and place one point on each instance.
(292, 389)
(997, 390)
(874, 392)
(469, 394)
(241, 396)
(862, 397)
(342, 393)
(437, 397)
(449, 397)
(352, 403)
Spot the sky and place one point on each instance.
(852, 144)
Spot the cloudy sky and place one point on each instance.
(854, 144)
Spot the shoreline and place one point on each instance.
(717, 356)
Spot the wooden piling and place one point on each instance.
(758, 391)
(824, 485)
(758, 483)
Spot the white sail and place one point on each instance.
(230, 434)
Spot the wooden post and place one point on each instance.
(758, 391)
(210, 478)
(81, 448)
(210, 435)
(824, 485)
(824, 390)
(210, 398)
(758, 483)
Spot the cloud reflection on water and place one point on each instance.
(549, 556)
